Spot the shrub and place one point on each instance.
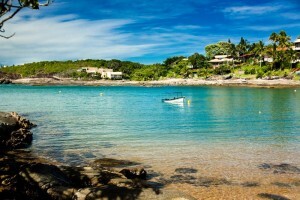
(250, 70)
(223, 69)
(268, 73)
(266, 68)
(260, 73)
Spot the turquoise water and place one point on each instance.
(80, 123)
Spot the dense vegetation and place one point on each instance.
(248, 63)
(69, 68)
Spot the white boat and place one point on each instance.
(178, 99)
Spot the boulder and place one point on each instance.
(134, 173)
(280, 168)
(5, 81)
(226, 77)
(14, 131)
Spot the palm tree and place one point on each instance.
(258, 50)
(284, 40)
(271, 50)
(273, 37)
(281, 44)
(242, 47)
(292, 56)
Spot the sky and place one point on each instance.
(139, 30)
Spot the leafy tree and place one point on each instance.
(198, 60)
(211, 50)
(150, 72)
(172, 60)
(220, 48)
(9, 8)
(222, 70)
(114, 64)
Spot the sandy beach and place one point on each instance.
(165, 82)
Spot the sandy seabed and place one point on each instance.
(245, 179)
(236, 171)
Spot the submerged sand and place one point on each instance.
(212, 173)
(233, 171)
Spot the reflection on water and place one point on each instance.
(176, 104)
(76, 124)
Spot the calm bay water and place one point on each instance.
(77, 124)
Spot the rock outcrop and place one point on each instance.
(14, 131)
(5, 81)
(135, 173)
(23, 176)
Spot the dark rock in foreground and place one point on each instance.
(135, 173)
(272, 196)
(23, 176)
(14, 131)
(280, 168)
(186, 170)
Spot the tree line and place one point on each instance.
(248, 63)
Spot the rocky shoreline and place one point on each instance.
(25, 176)
(5, 81)
(14, 131)
(216, 81)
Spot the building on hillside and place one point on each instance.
(189, 65)
(94, 70)
(221, 59)
(112, 75)
(268, 59)
(297, 45)
(104, 72)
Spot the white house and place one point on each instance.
(221, 59)
(104, 72)
(297, 45)
(94, 70)
(112, 75)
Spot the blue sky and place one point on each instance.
(140, 30)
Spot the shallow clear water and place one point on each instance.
(77, 124)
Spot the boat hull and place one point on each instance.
(175, 100)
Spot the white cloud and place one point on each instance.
(251, 10)
(247, 11)
(271, 27)
(189, 27)
(293, 16)
(65, 37)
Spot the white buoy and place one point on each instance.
(59, 91)
(259, 112)
(101, 94)
(295, 90)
